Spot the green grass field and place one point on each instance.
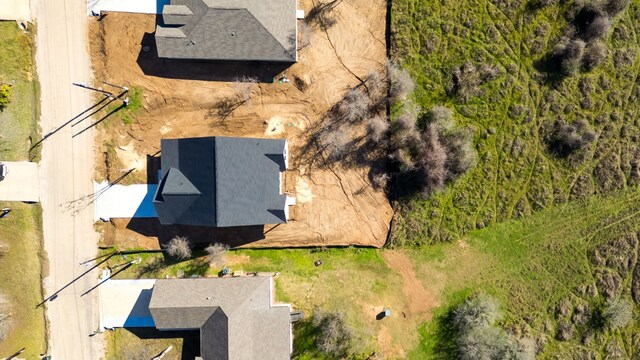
(20, 119)
(20, 266)
(531, 266)
(534, 227)
(516, 174)
(20, 279)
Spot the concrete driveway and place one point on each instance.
(125, 303)
(15, 10)
(130, 6)
(21, 183)
(123, 201)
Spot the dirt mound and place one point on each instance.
(337, 206)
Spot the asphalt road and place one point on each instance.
(66, 170)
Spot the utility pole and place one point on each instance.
(107, 93)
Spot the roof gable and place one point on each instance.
(228, 30)
(221, 181)
(177, 184)
(235, 316)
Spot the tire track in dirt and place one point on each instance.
(419, 301)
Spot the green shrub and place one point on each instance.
(618, 314)
(5, 95)
(476, 312)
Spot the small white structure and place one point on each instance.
(125, 303)
(21, 182)
(17, 10)
(95, 7)
(123, 201)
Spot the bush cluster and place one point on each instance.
(334, 337)
(619, 314)
(426, 148)
(430, 147)
(466, 80)
(479, 338)
(568, 138)
(582, 46)
(179, 247)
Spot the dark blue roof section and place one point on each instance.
(221, 181)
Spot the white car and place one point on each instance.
(3, 171)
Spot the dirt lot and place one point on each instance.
(335, 206)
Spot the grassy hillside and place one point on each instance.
(552, 236)
(512, 115)
(544, 271)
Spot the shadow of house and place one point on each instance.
(201, 236)
(190, 339)
(224, 40)
(205, 70)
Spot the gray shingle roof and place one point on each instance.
(234, 315)
(221, 181)
(246, 30)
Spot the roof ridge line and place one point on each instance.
(269, 32)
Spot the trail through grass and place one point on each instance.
(516, 175)
(530, 266)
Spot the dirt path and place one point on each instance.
(419, 300)
(66, 170)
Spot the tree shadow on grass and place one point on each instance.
(444, 334)
(304, 340)
(196, 268)
(550, 67)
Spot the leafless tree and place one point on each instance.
(179, 247)
(619, 314)
(595, 53)
(476, 312)
(354, 106)
(569, 53)
(215, 253)
(597, 29)
(568, 138)
(322, 14)
(433, 160)
(243, 90)
(461, 156)
(377, 88)
(334, 335)
(442, 117)
(402, 84)
(335, 144)
(377, 128)
(380, 180)
(614, 7)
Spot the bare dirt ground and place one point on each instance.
(419, 300)
(337, 205)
